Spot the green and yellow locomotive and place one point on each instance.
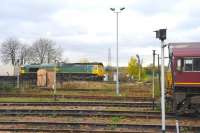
(67, 71)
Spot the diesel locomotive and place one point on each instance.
(183, 77)
(67, 71)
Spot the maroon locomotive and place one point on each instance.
(184, 77)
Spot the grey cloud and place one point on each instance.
(97, 52)
(14, 15)
(32, 19)
(190, 23)
(145, 39)
(28, 10)
(193, 20)
(35, 30)
(94, 49)
(152, 7)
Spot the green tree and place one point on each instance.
(133, 67)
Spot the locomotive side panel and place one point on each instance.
(185, 71)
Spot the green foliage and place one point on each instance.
(133, 69)
(116, 119)
(143, 74)
(149, 70)
(185, 129)
(157, 88)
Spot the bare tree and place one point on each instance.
(53, 53)
(31, 59)
(44, 51)
(24, 53)
(41, 51)
(9, 50)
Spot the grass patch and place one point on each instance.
(116, 119)
(157, 88)
(185, 129)
(88, 89)
(17, 99)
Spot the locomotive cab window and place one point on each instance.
(192, 64)
(188, 64)
(33, 69)
(196, 64)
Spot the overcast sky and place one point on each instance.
(87, 28)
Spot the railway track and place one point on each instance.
(85, 103)
(101, 113)
(87, 127)
(98, 90)
(67, 130)
(5, 95)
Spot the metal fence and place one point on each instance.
(11, 81)
(8, 80)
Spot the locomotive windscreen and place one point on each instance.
(33, 69)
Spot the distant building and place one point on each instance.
(6, 70)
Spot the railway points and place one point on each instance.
(80, 103)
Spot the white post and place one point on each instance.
(18, 73)
(153, 81)
(117, 64)
(163, 86)
(54, 86)
(153, 76)
(177, 127)
(18, 76)
(117, 78)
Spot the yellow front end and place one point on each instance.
(98, 70)
(22, 70)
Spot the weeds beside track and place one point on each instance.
(41, 126)
(7, 95)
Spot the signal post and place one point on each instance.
(161, 35)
